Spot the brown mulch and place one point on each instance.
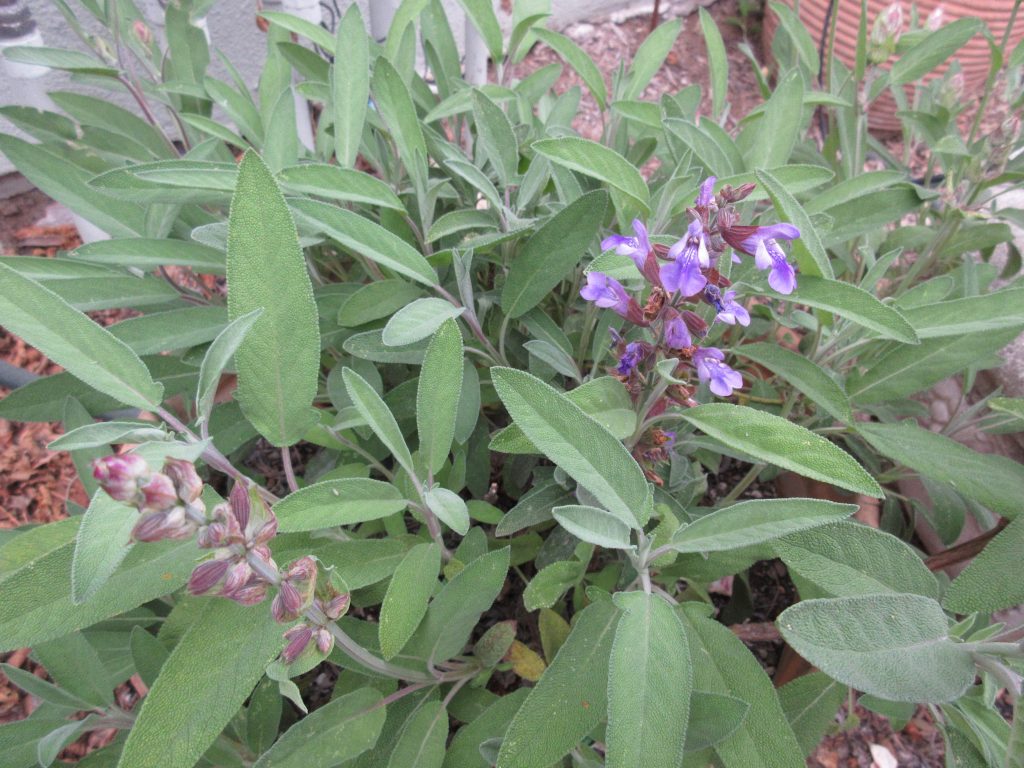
(918, 745)
(36, 482)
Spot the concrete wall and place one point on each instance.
(232, 26)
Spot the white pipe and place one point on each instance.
(382, 12)
(308, 10)
(475, 61)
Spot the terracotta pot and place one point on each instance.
(974, 57)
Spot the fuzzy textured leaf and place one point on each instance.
(405, 603)
(777, 441)
(894, 646)
(846, 558)
(552, 252)
(756, 521)
(995, 481)
(330, 503)
(230, 646)
(650, 678)
(103, 542)
(350, 79)
(368, 239)
(279, 361)
(69, 338)
(571, 697)
(723, 665)
(984, 585)
(854, 304)
(569, 437)
(438, 394)
(338, 731)
(597, 161)
(802, 374)
(418, 320)
(378, 416)
(421, 744)
(594, 525)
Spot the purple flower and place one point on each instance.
(707, 193)
(636, 247)
(606, 292)
(630, 358)
(689, 255)
(677, 335)
(710, 368)
(729, 311)
(762, 245)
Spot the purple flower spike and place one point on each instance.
(707, 193)
(689, 255)
(761, 244)
(782, 276)
(729, 311)
(606, 292)
(630, 359)
(636, 247)
(677, 335)
(711, 368)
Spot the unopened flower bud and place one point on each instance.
(287, 604)
(730, 194)
(207, 575)
(142, 32)
(157, 493)
(267, 531)
(302, 569)
(934, 20)
(893, 19)
(237, 577)
(695, 323)
(212, 536)
(252, 593)
(337, 606)
(240, 504)
(119, 476)
(885, 34)
(166, 524)
(324, 640)
(187, 484)
(298, 638)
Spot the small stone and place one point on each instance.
(581, 32)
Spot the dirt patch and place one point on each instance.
(609, 43)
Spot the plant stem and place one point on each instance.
(474, 325)
(211, 455)
(289, 472)
(361, 452)
(269, 574)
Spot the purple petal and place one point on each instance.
(707, 192)
(782, 277)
